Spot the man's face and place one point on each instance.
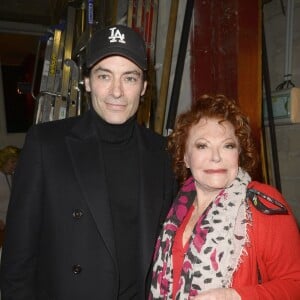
(116, 85)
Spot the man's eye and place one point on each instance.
(130, 79)
(103, 76)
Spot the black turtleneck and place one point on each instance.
(120, 155)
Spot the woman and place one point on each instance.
(225, 237)
(8, 160)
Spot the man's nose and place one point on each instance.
(117, 89)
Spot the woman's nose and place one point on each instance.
(216, 157)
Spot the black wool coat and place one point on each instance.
(59, 237)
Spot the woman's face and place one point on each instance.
(212, 154)
(9, 166)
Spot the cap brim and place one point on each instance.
(116, 51)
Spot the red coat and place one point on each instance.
(275, 249)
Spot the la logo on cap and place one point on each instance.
(116, 36)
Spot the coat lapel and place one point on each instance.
(86, 155)
(151, 198)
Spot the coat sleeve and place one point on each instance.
(276, 241)
(20, 251)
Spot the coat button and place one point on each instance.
(76, 269)
(77, 213)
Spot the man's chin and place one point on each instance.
(116, 120)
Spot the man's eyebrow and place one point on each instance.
(133, 72)
(102, 69)
(130, 72)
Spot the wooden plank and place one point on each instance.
(164, 86)
(226, 55)
(249, 71)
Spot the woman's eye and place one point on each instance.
(201, 146)
(230, 146)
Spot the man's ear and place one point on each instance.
(87, 84)
(144, 88)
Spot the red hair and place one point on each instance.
(216, 107)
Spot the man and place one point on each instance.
(90, 192)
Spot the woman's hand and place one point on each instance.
(218, 294)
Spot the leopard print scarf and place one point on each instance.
(215, 247)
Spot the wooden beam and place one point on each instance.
(164, 86)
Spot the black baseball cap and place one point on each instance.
(116, 40)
